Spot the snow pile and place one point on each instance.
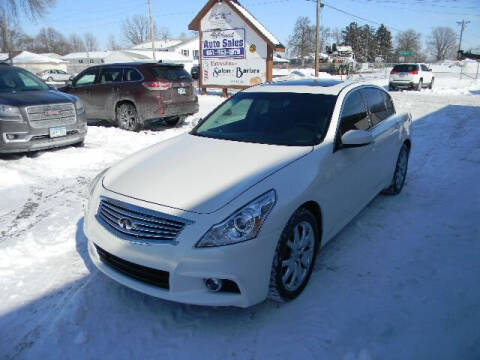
(26, 57)
(296, 74)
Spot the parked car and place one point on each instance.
(416, 76)
(279, 169)
(54, 75)
(34, 116)
(130, 94)
(195, 72)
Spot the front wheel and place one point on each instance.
(294, 256)
(175, 121)
(400, 172)
(127, 117)
(431, 83)
(419, 86)
(50, 79)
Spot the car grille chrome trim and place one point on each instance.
(137, 224)
(43, 116)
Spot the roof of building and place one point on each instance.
(86, 55)
(308, 86)
(247, 17)
(159, 55)
(27, 57)
(164, 44)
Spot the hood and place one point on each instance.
(197, 174)
(29, 98)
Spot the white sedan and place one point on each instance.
(236, 210)
(54, 75)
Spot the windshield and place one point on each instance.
(171, 73)
(405, 67)
(13, 80)
(271, 118)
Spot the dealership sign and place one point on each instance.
(234, 51)
(223, 43)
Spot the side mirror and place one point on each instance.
(356, 138)
(69, 83)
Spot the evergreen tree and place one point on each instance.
(384, 43)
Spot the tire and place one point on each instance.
(176, 121)
(400, 174)
(285, 287)
(79, 144)
(127, 117)
(50, 79)
(391, 87)
(431, 83)
(419, 86)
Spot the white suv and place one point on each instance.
(415, 76)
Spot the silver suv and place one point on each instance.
(34, 116)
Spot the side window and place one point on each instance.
(377, 106)
(389, 104)
(354, 114)
(110, 75)
(87, 78)
(424, 68)
(131, 75)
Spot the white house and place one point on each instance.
(37, 63)
(186, 47)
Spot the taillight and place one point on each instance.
(393, 72)
(157, 85)
(414, 72)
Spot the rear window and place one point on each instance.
(171, 73)
(405, 68)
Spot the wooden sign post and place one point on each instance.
(236, 50)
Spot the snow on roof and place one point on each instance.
(160, 55)
(52, 55)
(159, 44)
(278, 59)
(85, 55)
(27, 57)
(256, 23)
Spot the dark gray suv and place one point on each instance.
(34, 116)
(131, 94)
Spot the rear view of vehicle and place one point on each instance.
(170, 94)
(35, 117)
(415, 76)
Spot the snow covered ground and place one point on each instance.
(401, 281)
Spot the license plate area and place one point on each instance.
(58, 131)
(182, 91)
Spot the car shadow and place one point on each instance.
(154, 125)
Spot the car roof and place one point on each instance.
(141, 63)
(309, 86)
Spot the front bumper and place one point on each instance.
(247, 264)
(34, 139)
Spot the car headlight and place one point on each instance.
(79, 106)
(10, 113)
(242, 225)
(95, 181)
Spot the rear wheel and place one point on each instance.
(419, 85)
(50, 79)
(294, 257)
(175, 121)
(400, 172)
(127, 117)
(391, 87)
(431, 83)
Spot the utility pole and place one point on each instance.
(317, 47)
(462, 24)
(152, 29)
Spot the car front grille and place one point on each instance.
(138, 224)
(46, 116)
(155, 277)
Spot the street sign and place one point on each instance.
(407, 53)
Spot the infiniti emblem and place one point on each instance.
(126, 223)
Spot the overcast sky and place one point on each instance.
(103, 17)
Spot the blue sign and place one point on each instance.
(223, 44)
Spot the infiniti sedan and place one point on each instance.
(236, 210)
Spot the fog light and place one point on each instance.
(213, 284)
(11, 136)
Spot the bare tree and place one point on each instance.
(163, 33)
(76, 43)
(336, 36)
(112, 43)
(136, 29)
(409, 41)
(11, 9)
(50, 40)
(302, 41)
(91, 43)
(442, 42)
